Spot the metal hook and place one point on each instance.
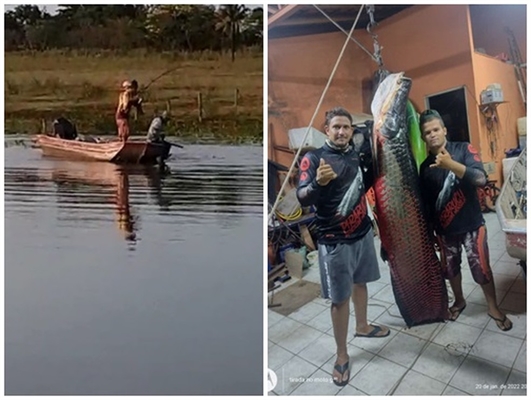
(372, 23)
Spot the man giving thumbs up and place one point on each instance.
(331, 179)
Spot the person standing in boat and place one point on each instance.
(128, 99)
(449, 178)
(155, 132)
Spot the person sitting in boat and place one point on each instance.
(128, 99)
(64, 129)
(156, 127)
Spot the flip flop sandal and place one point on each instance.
(374, 333)
(458, 311)
(500, 323)
(342, 369)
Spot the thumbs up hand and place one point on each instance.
(325, 173)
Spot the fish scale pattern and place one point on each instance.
(416, 274)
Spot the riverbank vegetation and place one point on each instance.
(212, 83)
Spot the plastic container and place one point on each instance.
(507, 164)
(314, 140)
(313, 258)
(522, 132)
(522, 126)
(282, 251)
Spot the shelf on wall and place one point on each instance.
(489, 108)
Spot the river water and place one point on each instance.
(123, 281)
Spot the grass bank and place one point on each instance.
(84, 87)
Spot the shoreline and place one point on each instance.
(223, 130)
(207, 97)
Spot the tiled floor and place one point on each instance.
(469, 356)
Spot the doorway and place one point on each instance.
(451, 104)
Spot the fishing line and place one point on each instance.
(272, 213)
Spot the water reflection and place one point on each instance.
(126, 221)
(84, 192)
(93, 183)
(79, 303)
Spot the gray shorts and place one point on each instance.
(341, 265)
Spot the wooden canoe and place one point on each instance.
(511, 209)
(115, 151)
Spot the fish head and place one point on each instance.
(389, 106)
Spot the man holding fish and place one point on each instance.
(450, 176)
(331, 178)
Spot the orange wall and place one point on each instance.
(433, 45)
(488, 23)
(298, 72)
(489, 70)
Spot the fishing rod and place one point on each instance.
(158, 77)
(166, 72)
(143, 89)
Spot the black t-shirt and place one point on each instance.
(453, 203)
(341, 205)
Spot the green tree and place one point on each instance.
(253, 27)
(163, 27)
(230, 20)
(186, 27)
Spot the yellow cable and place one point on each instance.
(292, 217)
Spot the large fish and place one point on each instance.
(416, 273)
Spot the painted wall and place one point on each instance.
(488, 23)
(432, 44)
(298, 71)
(488, 70)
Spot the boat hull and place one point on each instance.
(130, 152)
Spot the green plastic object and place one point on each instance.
(418, 146)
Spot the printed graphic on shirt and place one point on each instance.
(354, 220)
(305, 164)
(352, 195)
(451, 208)
(472, 150)
(446, 193)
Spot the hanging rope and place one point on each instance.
(346, 33)
(272, 213)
